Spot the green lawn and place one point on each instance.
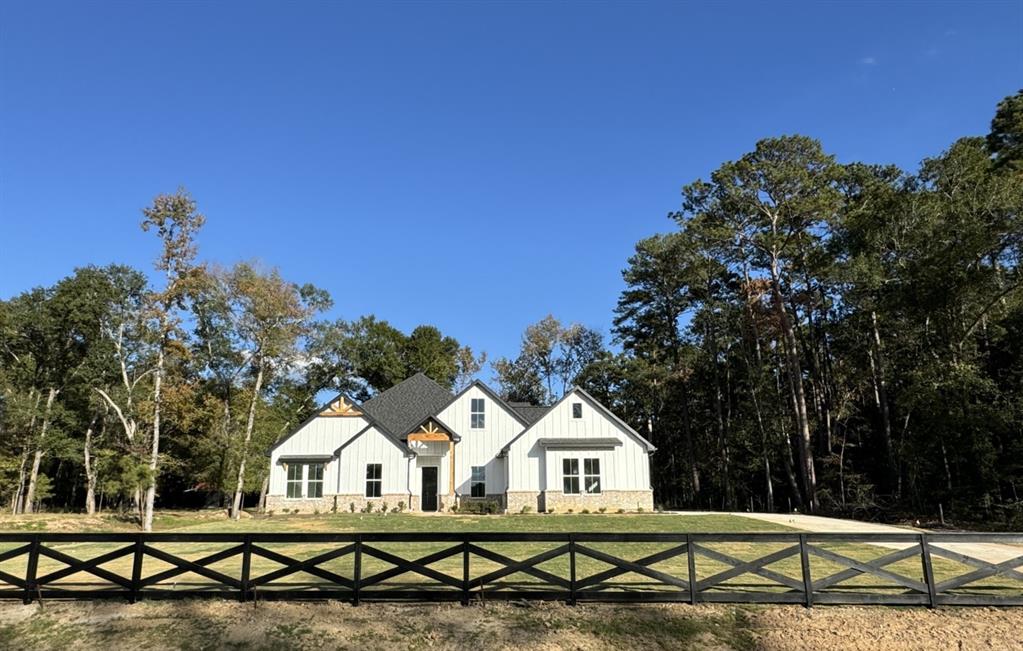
(208, 521)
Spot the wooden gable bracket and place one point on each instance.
(341, 407)
(430, 431)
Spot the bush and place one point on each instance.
(383, 508)
(481, 507)
(639, 510)
(550, 510)
(603, 509)
(401, 507)
(526, 509)
(270, 513)
(621, 511)
(585, 511)
(571, 510)
(351, 507)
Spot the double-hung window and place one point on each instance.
(477, 413)
(374, 479)
(577, 410)
(570, 470)
(478, 484)
(295, 480)
(591, 476)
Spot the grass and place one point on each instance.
(214, 521)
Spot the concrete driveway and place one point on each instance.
(990, 552)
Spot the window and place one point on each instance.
(478, 484)
(477, 410)
(374, 480)
(295, 480)
(577, 410)
(314, 480)
(591, 475)
(570, 469)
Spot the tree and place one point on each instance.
(176, 221)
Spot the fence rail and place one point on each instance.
(929, 569)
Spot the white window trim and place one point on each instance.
(482, 412)
(366, 480)
(581, 476)
(304, 481)
(473, 482)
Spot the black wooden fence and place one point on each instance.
(794, 568)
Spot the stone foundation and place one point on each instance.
(344, 503)
(610, 500)
(515, 500)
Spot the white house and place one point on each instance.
(418, 444)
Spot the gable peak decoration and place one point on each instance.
(341, 407)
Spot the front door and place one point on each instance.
(429, 488)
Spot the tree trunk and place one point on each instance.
(90, 469)
(795, 373)
(33, 478)
(154, 455)
(687, 433)
(262, 494)
(236, 505)
(877, 365)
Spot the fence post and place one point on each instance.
(30, 571)
(465, 571)
(358, 569)
(804, 559)
(571, 569)
(246, 566)
(691, 558)
(925, 557)
(136, 569)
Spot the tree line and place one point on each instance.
(814, 335)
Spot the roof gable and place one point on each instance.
(490, 393)
(593, 402)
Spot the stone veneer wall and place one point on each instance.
(326, 503)
(611, 500)
(515, 500)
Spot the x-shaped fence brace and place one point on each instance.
(833, 588)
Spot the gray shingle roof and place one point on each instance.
(407, 404)
(529, 413)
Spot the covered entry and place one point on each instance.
(434, 445)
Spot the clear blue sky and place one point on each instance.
(473, 166)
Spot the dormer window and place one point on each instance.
(577, 410)
(477, 413)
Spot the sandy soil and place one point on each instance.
(224, 624)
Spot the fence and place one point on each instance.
(785, 568)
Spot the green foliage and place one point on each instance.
(479, 507)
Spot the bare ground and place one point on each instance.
(332, 625)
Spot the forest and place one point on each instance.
(842, 338)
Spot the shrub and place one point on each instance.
(401, 507)
(550, 510)
(571, 511)
(481, 507)
(585, 511)
(383, 508)
(603, 509)
(270, 513)
(526, 509)
(621, 511)
(316, 511)
(639, 510)
(351, 507)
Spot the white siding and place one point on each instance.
(531, 468)
(479, 447)
(320, 436)
(372, 447)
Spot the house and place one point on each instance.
(417, 443)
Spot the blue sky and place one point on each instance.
(473, 166)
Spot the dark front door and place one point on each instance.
(430, 488)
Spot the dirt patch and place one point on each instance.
(334, 625)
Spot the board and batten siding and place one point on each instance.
(320, 436)
(480, 447)
(531, 468)
(372, 447)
